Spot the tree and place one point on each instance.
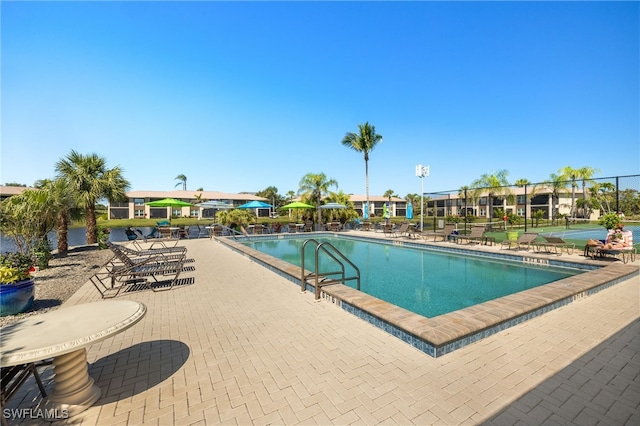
(313, 187)
(343, 215)
(496, 184)
(63, 207)
(522, 182)
(571, 174)
(363, 142)
(27, 218)
(271, 194)
(558, 185)
(183, 181)
(585, 174)
(89, 180)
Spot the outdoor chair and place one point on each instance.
(170, 253)
(404, 230)
(626, 253)
(444, 234)
(183, 232)
(389, 229)
(153, 240)
(122, 271)
(555, 243)
(12, 378)
(526, 240)
(475, 236)
(366, 226)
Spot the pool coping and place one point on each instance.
(440, 335)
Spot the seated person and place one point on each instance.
(616, 240)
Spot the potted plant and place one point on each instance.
(17, 289)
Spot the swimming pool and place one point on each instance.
(426, 282)
(448, 332)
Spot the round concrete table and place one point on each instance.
(64, 335)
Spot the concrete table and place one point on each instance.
(64, 335)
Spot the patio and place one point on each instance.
(244, 346)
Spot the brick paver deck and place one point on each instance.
(241, 345)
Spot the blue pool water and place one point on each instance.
(426, 282)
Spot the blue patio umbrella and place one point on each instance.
(409, 211)
(255, 204)
(365, 211)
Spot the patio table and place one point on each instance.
(64, 334)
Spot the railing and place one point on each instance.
(317, 275)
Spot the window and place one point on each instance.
(138, 201)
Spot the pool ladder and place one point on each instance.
(322, 279)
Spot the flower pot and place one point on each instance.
(16, 297)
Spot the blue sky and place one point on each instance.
(239, 96)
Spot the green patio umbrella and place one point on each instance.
(297, 205)
(168, 202)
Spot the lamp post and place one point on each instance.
(422, 172)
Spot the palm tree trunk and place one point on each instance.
(366, 174)
(62, 229)
(92, 230)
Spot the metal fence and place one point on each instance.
(551, 203)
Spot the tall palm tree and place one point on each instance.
(313, 187)
(183, 181)
(585, 174)
(570, 174)
(89, 180)
(62, 205)
(363, 142)
(496, 185)
(558, 185)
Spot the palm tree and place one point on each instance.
(313, 187)
(89, 180)
(183, 181)
(570, 174)
(62, 204)
(363, 142)
(522, 182)
(585, 174)
(497, 185)
(558, 184)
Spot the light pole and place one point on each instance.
(422, 172)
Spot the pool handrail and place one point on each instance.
(323, 246)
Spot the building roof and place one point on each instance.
(6, 191)
(193, 195)
(357, 198)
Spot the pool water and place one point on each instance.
(426, 282)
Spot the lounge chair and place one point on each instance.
(475, 236)
(389, 229)
(404, 230)
(557, 244)
(12, 378)
(366, 226)
(626, 253)
(122, 271)
(448, 229)
(170, 253)
(153, 239)
(527, 240)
